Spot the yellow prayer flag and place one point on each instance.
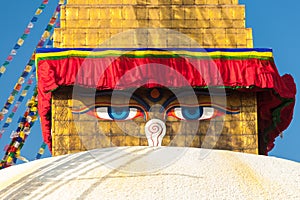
(8, 120)
(46, 34)
(20, 42)
(2, 69)
(38, 12)
(22, 135)
(9, 159)
(28, 68)
(41, 151)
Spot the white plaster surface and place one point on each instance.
(153, 173)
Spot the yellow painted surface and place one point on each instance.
(152, 2)
(93, 23)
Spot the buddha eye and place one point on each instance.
(104, 111)
(203, 111)
(192, 113)
(117, 113)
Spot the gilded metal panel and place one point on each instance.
(238, 131)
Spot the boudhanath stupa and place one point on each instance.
(157, 99)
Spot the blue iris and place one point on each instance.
(118, 113)
(192, 113)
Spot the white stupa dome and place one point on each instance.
(153, 173)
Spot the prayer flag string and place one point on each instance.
(16, 89)
(41, 151)
(22, 39)
(46, 35)
(21, 133)
(30, 116)
(18, 103)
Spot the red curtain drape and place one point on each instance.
(276, 94)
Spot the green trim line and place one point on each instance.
(159, 56)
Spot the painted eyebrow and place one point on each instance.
(185, 93)
(126, 94)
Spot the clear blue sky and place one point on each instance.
(275, 24)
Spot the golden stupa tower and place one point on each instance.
(211, 23)
(208, 24)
